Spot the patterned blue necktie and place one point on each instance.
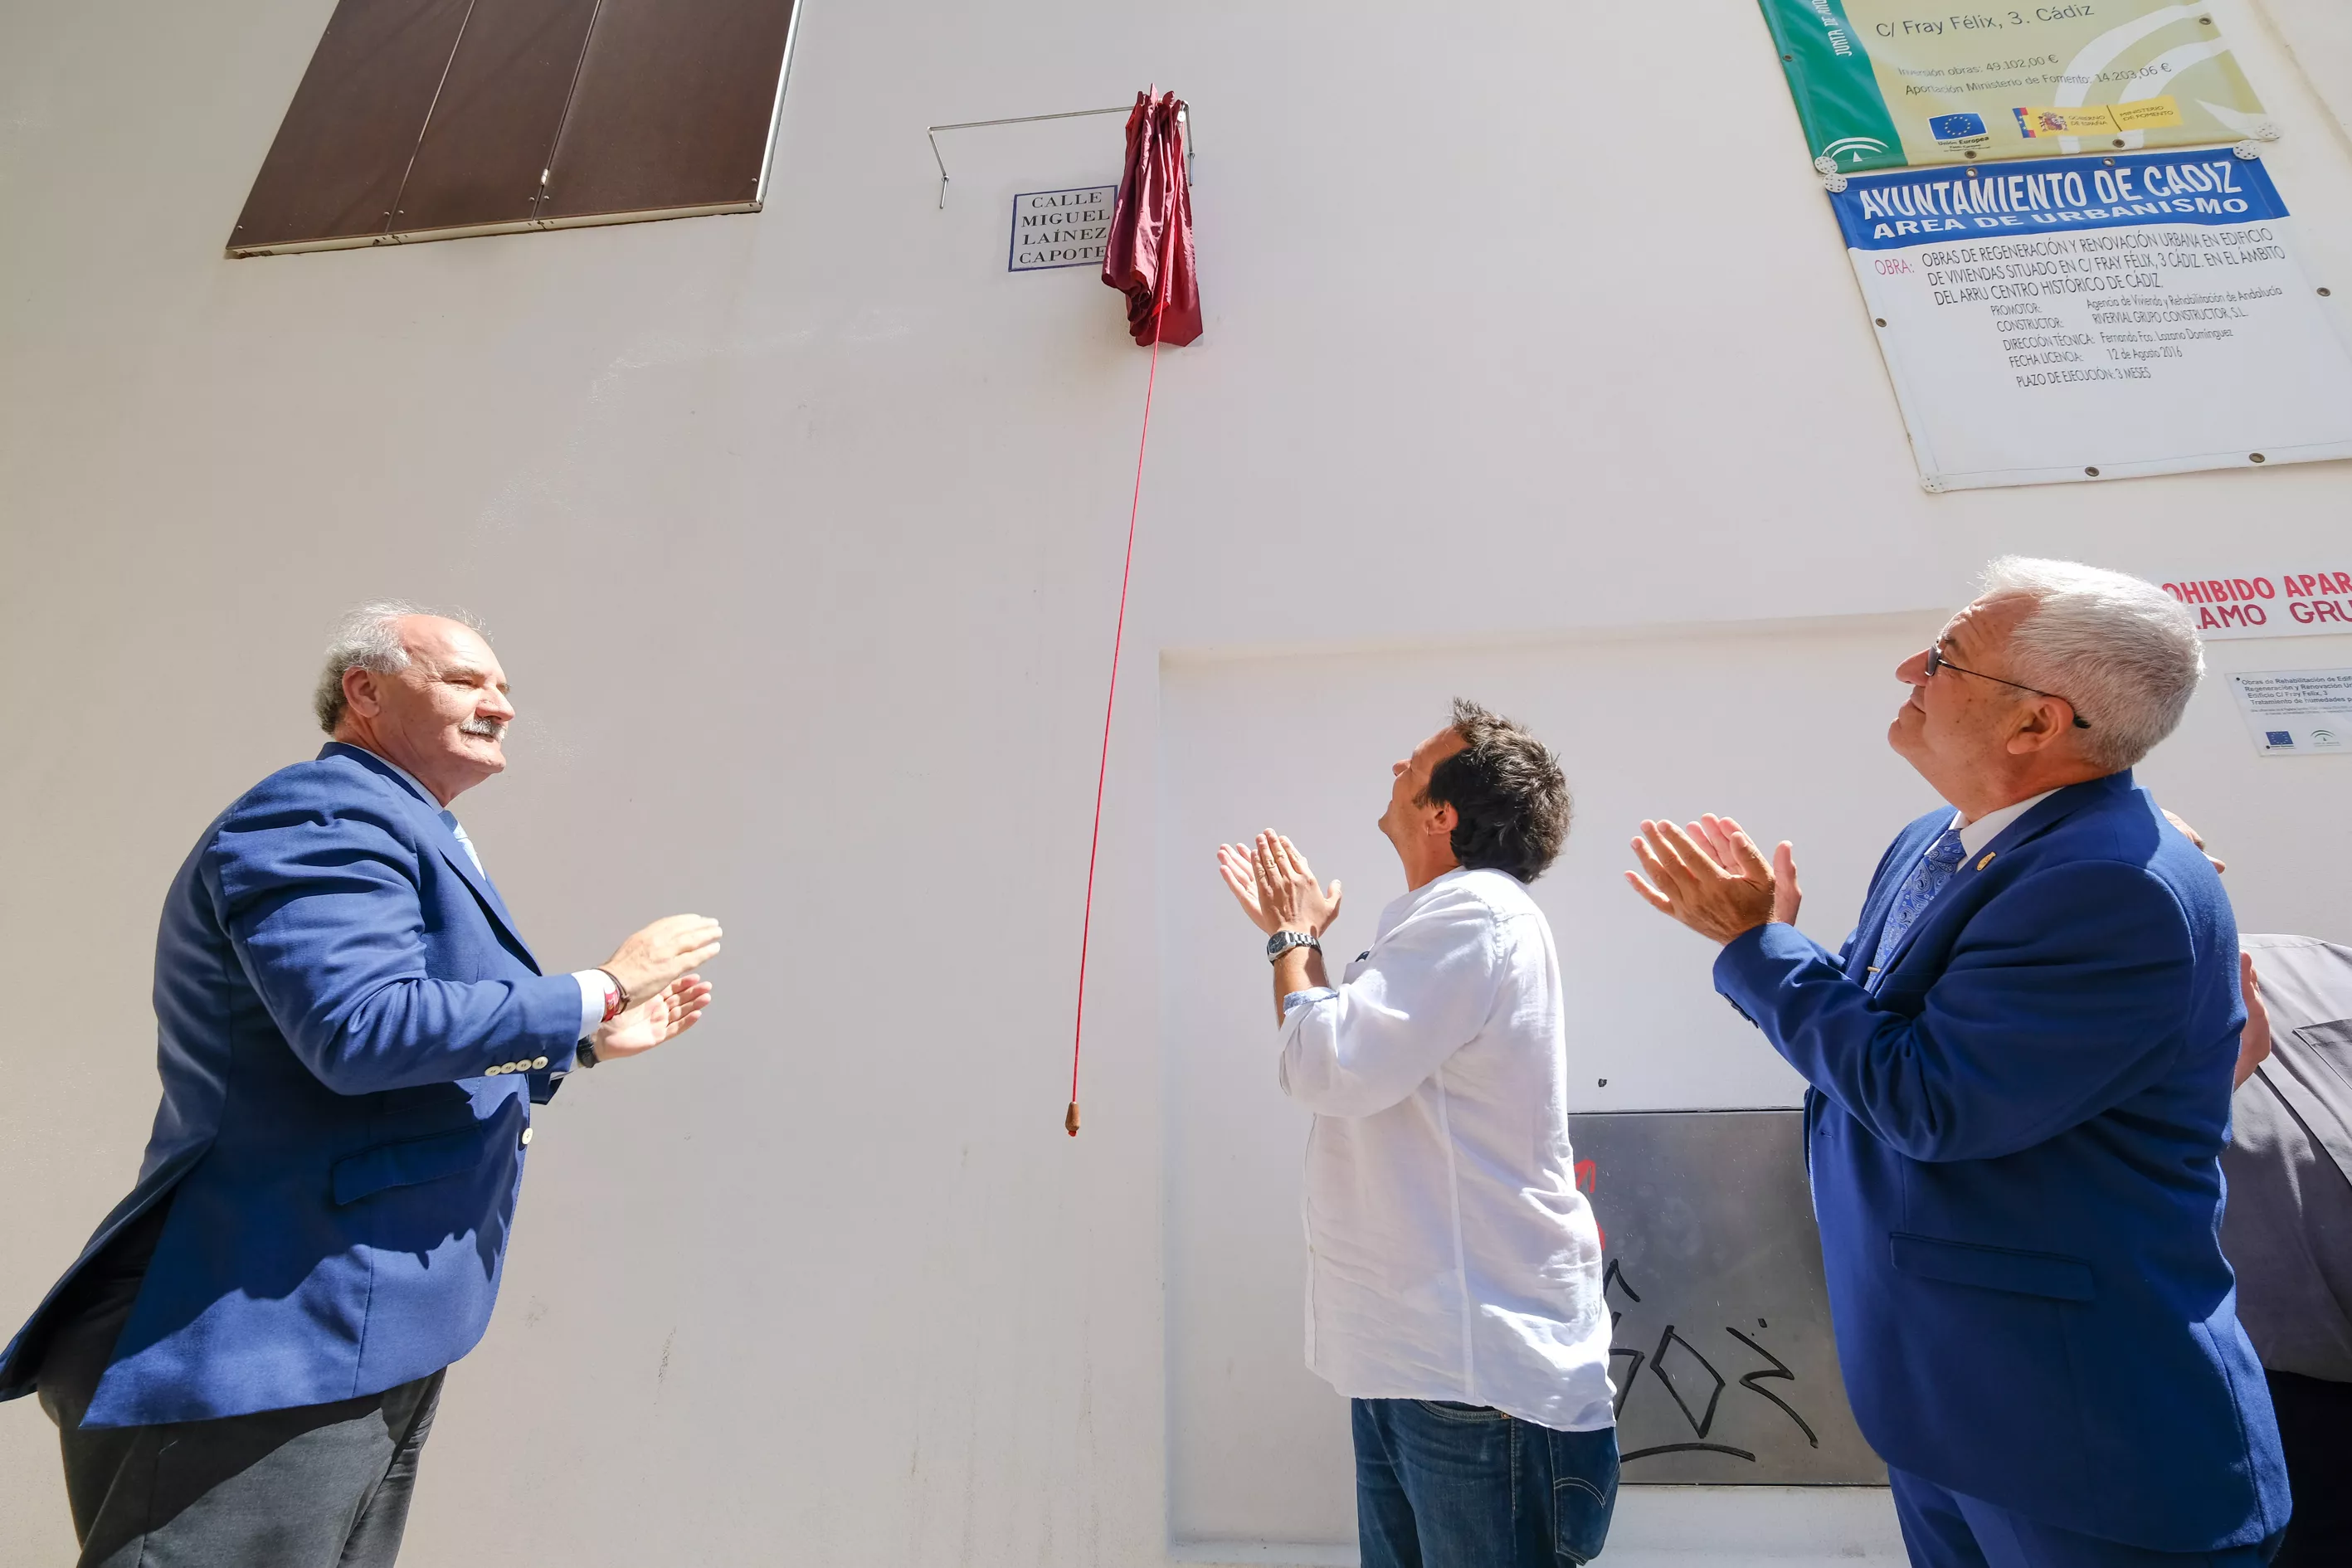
(463, 842)
(1926, 879)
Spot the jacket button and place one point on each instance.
(537, 1063)
(494, 1072)
(526, 1137)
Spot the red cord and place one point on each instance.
(1118, 637)
(1102, 768)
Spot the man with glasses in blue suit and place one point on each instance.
(245, 1361)
(2019, 1067)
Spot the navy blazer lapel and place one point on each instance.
(463, 864)
(2045, 815)
(2060, 805)
(433, 829)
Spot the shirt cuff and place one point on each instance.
(1296, 999)
(592, 999)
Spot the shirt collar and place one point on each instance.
(1975, 835)
(413, 782)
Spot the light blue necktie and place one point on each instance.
(463, 842)
(1926, 879)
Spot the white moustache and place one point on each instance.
(487, 729)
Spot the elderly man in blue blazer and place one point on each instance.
(2020, 1069)
(352, 1033)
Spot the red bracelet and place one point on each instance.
(616, 995)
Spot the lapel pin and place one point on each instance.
(1986, 861)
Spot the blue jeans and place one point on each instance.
(1942, 1529)
(1459, 1486)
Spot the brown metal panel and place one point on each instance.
(347, 137)
(673, 107)
(481, 157)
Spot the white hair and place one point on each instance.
(369, 638)
(2121, 650)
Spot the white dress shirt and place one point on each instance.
(1975, 836)
(591, 980)
(1450, 1256)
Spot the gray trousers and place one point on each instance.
(319, 1485)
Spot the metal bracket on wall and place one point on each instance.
(933, 131)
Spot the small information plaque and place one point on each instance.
(2296, 712)
(1061, 229)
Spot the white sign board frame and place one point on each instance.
(2082, 319)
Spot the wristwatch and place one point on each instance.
(1282, 942)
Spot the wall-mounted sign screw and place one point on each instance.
(2323, 294)
(1971, 154)
(2256, 456)
(1604, 1083)
(1788, 56)
(1880, 319)
(2204, 21)
(2092, 472)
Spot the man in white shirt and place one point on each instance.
(1454, 1287)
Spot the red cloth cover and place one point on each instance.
(1150, 258)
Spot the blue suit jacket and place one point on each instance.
(333, 980)
(2014, 1132)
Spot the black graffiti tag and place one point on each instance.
(1691, 1379)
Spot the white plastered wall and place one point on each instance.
(1529, 341)
(2318, 38)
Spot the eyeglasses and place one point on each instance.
(1936, 661)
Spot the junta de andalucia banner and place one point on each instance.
(1885, 84)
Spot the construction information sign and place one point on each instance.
(2095, 318)
(2296, 712)
(1881, 84)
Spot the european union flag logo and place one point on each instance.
(2280, 737)
(1952, 127)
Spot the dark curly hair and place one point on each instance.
(1507, 790)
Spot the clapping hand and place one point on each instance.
(1711, 877)
(672, 1011)
(1276, 887)
(653, 959)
